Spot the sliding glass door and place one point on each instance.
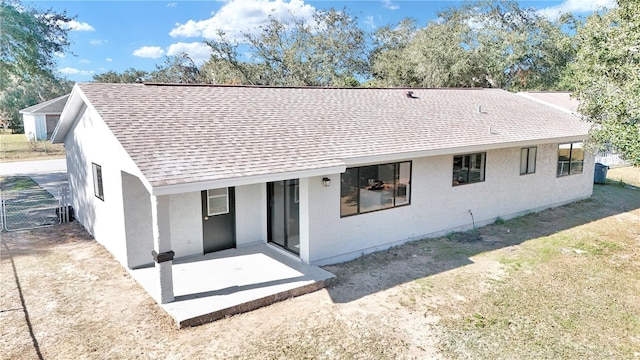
(283, 216)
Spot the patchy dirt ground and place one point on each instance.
(564, 283)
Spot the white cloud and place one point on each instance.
(172, 5)
(152, 52)
(198, 52)
(370, 22)
(390, 5)
(109, 59)
(97, 42)
(576, 6)
(74, 25)
(59, 54)
(84, 61)
(238, 16)
(72, 71)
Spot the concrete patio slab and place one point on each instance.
(233, 281)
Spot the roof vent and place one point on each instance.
(410, 95)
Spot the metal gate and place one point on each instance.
(30, 209)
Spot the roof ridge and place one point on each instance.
(307, 87)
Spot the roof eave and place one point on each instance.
(67, 117)
(37, 108)
(245, 180)
(373, 159)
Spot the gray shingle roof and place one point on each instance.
(53, 106)
(557, 98)
(181, 134)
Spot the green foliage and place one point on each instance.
(486, 43)
(330, 50)
(607, 75)
(128, 76)
(29, 40)
(177, 69)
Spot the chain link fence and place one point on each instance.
(17, 146)
(36, 208)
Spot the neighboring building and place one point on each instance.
(559, 99)
(323, 174)
(40, 120)
(563, 100)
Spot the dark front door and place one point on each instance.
(283, 215)
(218, 219)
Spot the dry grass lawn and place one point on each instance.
(16, 147)
(560, 284)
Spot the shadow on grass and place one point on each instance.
(383, 270)
(27, 318)
(11, 183)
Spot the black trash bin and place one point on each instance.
(600, 174)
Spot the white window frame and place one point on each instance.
(209, 197)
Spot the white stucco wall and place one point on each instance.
(251, 214)
(186, 220)
(437, 207)
(186, 224)
(86, 143)
(137, 221)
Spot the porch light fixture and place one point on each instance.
(326, 182)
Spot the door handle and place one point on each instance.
(206, 218)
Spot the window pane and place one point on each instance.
(528, 160)
(524, 157)
(476, 168)
(459, 171)
(577, 158)
(349, 192)
(97, 181)
(218, 205)
(564, 159)
(576, 167)
(376, 187)
(532, 160)
(218, 201)
(221, 191)
(403, 187)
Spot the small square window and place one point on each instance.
(570, 159)
(469, 168)
(218, 201)
(97, 181)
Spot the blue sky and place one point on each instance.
(117, 35)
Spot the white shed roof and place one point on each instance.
(53, 106)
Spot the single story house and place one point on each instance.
(158, 171)
(40, 120)
(564, 101)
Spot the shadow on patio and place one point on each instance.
(233, 281)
